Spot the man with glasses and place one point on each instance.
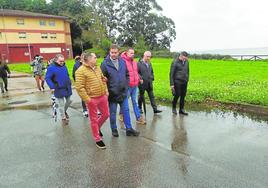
(147, 77)
(58, 80)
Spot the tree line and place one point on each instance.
(99, 23)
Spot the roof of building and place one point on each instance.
(8, 12)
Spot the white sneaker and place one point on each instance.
(85, 114)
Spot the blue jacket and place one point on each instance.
(57, 78)
(117, 79)
(76, 66)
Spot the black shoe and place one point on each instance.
(157, 111)
(182, 112)
(115, 133)
(6, 89)
(100, 133)
(174, 111)
(132, 132)
(43, 88)
(101, 145)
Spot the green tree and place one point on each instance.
(142, 18)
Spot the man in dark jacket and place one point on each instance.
(4, 74)
(147, 77)
(179, 77)
(58, 80)
(78, 63)
(115, 70)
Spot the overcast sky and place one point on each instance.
(218, 24)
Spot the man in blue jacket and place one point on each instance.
(115, 70)
(58, 80)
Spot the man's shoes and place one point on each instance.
(174, 111)
(64, 122)
(132, 132)
(115, 133)
(141, 121)
(101, 145)
(157, 111)
(121, 117)
(100, 133)
(182, 112)
(67, 116)
(6, 89)
(85, 114)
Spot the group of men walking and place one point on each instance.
(103, 88)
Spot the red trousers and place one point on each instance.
(95, 104)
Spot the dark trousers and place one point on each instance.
(150, 94)
(84, 106)
(5, 82)
(180, 92)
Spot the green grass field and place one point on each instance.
(222, 81)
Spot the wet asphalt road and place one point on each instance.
(205, 149)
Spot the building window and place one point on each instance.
(44, 35)
(53, 35)
(20, 21)
(22, 35)
(51, 23)
(42, 22)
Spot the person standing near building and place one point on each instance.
(58, 80)
(91, 87)
(38, 72)
(147, 76)
(115, 70)
(179, 77)
(78, 63)
(4, 74)
(134, 80)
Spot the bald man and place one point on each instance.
(147, 76)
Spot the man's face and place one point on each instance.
(114, 53)
(184, 58)
(92, 61)
(147, 57)
(60, 61)
(131, 53)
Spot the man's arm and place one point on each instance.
(48, 78)
(7, 69)
(80, 85)
(171, 74)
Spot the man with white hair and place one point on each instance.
(147, 76)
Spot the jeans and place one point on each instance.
(132, 92)
(125, 110)
(63, 104)
(95, 104)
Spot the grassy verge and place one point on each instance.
(210, 80)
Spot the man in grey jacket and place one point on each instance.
(38, 71)
(179, 77)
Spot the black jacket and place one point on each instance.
(4, 70)
(117, 79)
(179, 72)
(146, 74)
